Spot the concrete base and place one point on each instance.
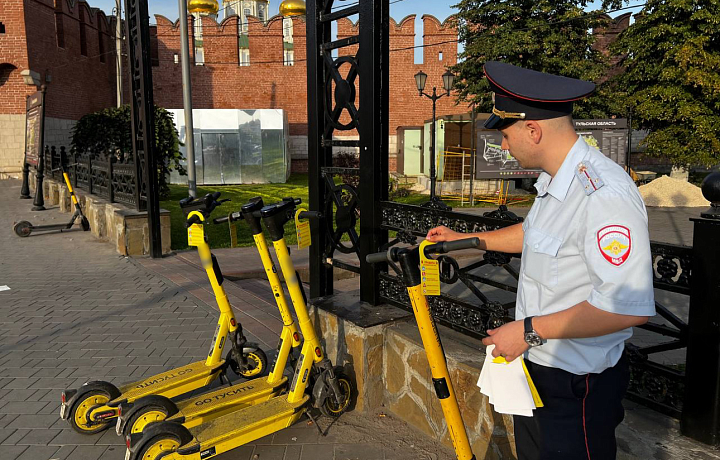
(126, 229)
(381, 348)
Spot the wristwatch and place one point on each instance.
(531, 337)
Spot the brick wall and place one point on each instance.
(69, 49)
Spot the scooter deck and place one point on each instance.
(243, 426)
(202, 408)
(170, 383)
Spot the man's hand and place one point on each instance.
(509, 340)
(443, 233)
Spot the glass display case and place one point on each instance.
(236, 146)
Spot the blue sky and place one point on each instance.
(441, 9)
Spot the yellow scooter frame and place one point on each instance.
(331, 391)
(207, 406)
(409, 260)
(95, 405)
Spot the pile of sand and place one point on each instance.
(668, 192)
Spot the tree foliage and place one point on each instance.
(548, 36)
(108, 132)
(671, 56)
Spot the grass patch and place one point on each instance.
(219, 235)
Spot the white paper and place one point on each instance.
(506, 386)
(4, 288)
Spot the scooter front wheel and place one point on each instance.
(23, 228)
(257, 364)
(331, 407)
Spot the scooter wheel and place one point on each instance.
(143, 417)
(158, 447)
(81, 409)
(85, 224)
(23, 228)
(257, 364)
(331, 408)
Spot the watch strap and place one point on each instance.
(528, 324)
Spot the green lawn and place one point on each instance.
(219, 235)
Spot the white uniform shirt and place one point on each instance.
(586, 238)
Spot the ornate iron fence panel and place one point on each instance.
(653, 384)
(471, 317)
(105, 175)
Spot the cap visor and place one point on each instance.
(495, 122)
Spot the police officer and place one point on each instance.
(585, 276)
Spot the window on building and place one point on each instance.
(101, 45)
(289, 57)
(261, 13)
(2, 28)
(440, 56)
(59, 31)
(244, 19)
(199, 56)
(243, 57)
(5, 71)
(198, 36)
(287, 30)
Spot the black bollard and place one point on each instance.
(39, 202)
(25, 188)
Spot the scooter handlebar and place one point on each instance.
(310, 215)
(377, 258)
(449, 246)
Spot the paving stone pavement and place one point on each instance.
(77, 311)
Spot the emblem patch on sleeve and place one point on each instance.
(614, 243)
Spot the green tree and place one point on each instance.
(548, 36)
(108, 132)
(671, 56)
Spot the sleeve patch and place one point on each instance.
(614, 243)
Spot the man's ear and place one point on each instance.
(534, 131)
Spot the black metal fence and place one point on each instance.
(108, 176)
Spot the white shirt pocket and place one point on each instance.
(540, 261)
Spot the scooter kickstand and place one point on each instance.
(312, 419)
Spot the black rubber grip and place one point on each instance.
(186, 201)
(449, 246)
(216, 195)
(220, 220)
(376, 258)
(310, 215)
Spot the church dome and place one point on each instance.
(292, 8)
(203, 6)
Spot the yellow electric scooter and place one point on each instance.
(409, 260)
(331, 391)
(201, 408)
(96, 404)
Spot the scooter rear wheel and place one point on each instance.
(79, 414)
(23, 228)
(331, 408)
(158, 447)
(144, 417)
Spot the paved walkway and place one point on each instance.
(77, 311)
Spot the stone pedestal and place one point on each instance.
(126, 229)
(380, 347)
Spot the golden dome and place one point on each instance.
(203, 6)
(292, 8)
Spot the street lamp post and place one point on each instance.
(448, 80)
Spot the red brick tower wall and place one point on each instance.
(13, 58)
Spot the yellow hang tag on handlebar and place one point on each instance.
(196, 235)
(302, 229)
(429, 272)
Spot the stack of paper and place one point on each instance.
(508, 385)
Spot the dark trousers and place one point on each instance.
(579, 416)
